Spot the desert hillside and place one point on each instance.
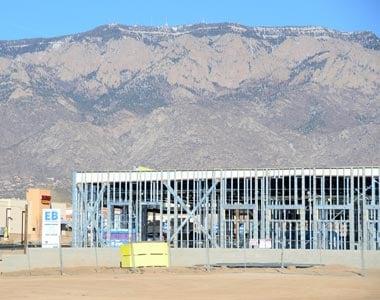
(199, 96)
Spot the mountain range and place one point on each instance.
(192, 96)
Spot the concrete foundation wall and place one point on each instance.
(50, 258)
(110, 257)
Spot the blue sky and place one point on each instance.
(44, 18)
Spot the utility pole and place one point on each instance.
(7, 218)
(22, 226)
(26, 229)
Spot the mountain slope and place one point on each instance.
(206, 95)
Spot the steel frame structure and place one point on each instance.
(298, 208)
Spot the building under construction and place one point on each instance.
(298, 208)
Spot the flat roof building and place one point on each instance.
(12, 216)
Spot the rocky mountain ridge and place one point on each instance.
(192, 96)
(115, 31)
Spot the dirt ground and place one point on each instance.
(192, 283)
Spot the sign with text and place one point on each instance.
(45, 199)
(51, 228)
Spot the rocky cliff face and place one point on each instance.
(200, 96)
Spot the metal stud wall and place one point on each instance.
(335, 208)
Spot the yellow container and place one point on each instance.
(144, 254)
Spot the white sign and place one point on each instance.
(51, 228)
(253, 243)
(265, 243)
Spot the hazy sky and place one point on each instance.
(44, 18)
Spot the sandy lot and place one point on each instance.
(192, 283)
